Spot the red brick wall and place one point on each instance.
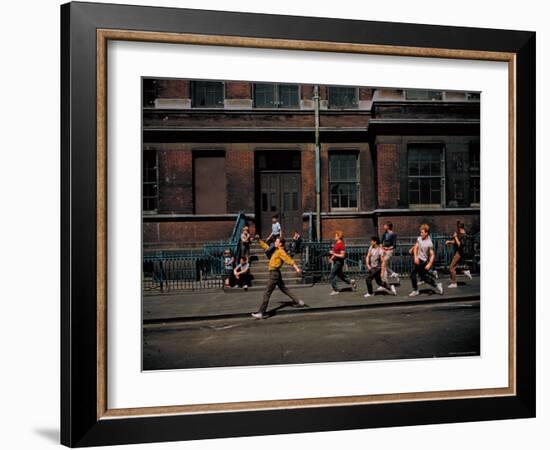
(388, 175)
(173, 89)
(175, 181)
(238, 90)
(353, 227)
(307, 92)
(239, 169)
(365, 94)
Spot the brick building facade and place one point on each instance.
(212, 149)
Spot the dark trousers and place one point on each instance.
(244, 279)
(337, 271)
(375, 274)
(420, 270)
(245, 249)
(275, 279)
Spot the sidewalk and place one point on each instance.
(218, 304)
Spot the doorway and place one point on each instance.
(280, 191)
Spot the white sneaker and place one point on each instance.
(245, 287)
(414, 293)
(395, 275)
(420, 283)
(452, 286)
(334, 292)
(380, 289)
(258, 315)
(435, 274)
(367, 295)
(439, 288)
(353, 284)
(468, 274)
(392, 289)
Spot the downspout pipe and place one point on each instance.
(316, 103)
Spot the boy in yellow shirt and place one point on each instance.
(277, 258)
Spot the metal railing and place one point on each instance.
(190, 269)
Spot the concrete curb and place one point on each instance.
(151, 323)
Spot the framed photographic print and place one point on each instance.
(277, 224)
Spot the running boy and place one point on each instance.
(373, 260)
(459, 244)
(424, 256)
(388, 242)
(337, 257)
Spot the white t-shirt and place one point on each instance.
(375, 255)
(424, 246)
(276, 228)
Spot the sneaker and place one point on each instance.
(392, 289)
(414, 293)
(367, 295)
(420, 283)
(436, 276)
(452, 286)
(395, 275)
(439, 288)
(334, 292)
(299, 304)
(468, 274)
(245, 287)
(259, 315)
(380, 289)
(353, 284)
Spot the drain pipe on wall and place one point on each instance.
(316, 103)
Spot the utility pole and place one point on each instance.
(316, 103)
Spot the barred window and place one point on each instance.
(207, 94)
(272, 95)
(425, 174)
(474, 173)
(343, 180)
(150, 181)
(423, 94)
(342, 97)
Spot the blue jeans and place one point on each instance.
(337, 271)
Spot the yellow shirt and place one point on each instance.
(278, 258)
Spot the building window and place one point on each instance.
(150, 92)
(474, 174)
(343, 180)
(423, 94)
(425, 174)
(342, 97)
(209, 182)
(270, 95)
(150, 181)
(473, 96)
(207, 94)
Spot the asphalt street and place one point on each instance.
(445, 329)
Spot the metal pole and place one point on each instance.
(317, 165)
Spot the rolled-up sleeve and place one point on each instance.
(263, 244)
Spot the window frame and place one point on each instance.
(355, 106)
(474, 147)
(193, 90)
(155, 183)
(442, 177)
(357, 183)
(408, 91)
(276, 96)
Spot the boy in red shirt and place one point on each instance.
(338, 256)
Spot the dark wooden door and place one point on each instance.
(281, 195)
